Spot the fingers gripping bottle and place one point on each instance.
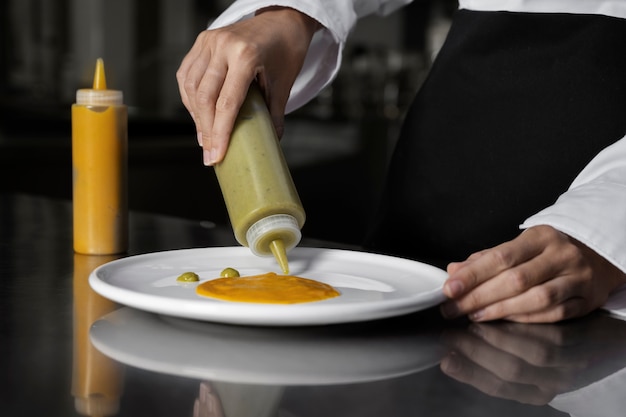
(262, 202)
(99, 169)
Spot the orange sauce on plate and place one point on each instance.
(270, 288)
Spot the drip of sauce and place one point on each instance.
(270, 288)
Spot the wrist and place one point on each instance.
(311, 25)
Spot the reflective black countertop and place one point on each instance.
(66, 351)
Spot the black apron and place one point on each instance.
(513, 109)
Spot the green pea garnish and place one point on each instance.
(188, 277)
(229, 273)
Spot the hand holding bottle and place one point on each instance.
(213, 78)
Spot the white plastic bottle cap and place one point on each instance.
(92, 97)
(261, 233)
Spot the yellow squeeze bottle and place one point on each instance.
(99, 169)
(262, 202)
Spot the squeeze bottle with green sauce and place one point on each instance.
(99, 169)
(262, 202)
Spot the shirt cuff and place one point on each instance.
(594, 214)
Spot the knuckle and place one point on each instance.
(202, 36)
(571, 251)
(189, 84)
(225, 103)
(202, 98)
(248, 51)
(471, 277)
(501, 257)
(473, 301)
(518, 279)
(220, 36)
(235, 43)
(545, 296)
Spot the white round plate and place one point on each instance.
(371, 286)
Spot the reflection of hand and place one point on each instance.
(214, 76)
(541, 276)
(526, 363)
(533, 363)
(208, 403)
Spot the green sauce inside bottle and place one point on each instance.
(262, 202)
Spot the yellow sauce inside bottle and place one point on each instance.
(269, 288)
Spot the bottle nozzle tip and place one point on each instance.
(99, 78)
(278, 250)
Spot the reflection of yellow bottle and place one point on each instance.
(97, 380)
(99, 166)
(262, 202)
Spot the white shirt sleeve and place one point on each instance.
(593, 209)
(323, 60)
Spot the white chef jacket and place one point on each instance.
(593, 210)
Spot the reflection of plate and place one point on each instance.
(265, 356)
(372, 286)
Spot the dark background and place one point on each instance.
(337, 146)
